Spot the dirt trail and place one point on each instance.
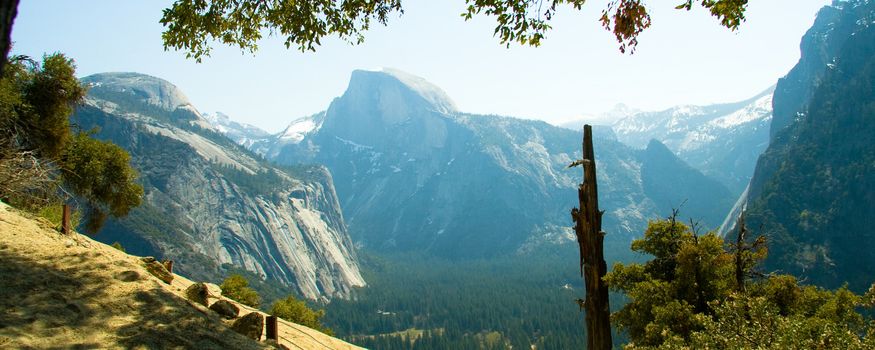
(70, 292)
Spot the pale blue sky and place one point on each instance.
(684, 58)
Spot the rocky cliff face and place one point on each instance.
(413, 173)
(819, 46)
(812, 191)
(211, 204)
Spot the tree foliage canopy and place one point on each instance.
(237, 287)
(36, 101)
(686, 297)
(687, 272)
(294, 310)
(100, 173)
(191, 25)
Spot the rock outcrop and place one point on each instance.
(210, 204)
(198, 293)
(813, 192)
(251, 325)
(225, 309)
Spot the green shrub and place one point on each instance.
(39, 149)
(236, 287)
(118, 246)
(294, 310)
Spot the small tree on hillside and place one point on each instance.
(36, 101)
(688, 297)
(294, 310)
(236, 287)
(687, 272)
(100, 174)
(746, 254)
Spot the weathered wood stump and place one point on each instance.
(590, 239)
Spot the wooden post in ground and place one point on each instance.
(590, 239)
(168, 264)
(272, 331)
(65, 220)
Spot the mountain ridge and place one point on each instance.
(812, 189)
(721, 140)
(210, 202)
(409, 175)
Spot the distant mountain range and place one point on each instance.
(415, 174)
(619, 111)
(242, 134)
(213, 206)
(722, 140)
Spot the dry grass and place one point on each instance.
(71, 292)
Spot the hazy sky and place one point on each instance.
(684, 58)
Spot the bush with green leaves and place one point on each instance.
(294, 310)
(99, 172)
(118, 246)
(36, 140)
(818, 319)
(236, 287)
(688, 297)
(687, 272)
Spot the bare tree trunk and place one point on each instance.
(8, 10)
(590, 239)
(739, 253)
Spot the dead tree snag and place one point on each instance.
(590, 239)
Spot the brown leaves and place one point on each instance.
(626, 19)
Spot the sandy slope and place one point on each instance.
(64, 292)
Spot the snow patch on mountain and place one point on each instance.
(761, 109)
(722, 140)
(296, 131)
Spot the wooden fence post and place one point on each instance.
(168, 264)
(590, 239)
(65, 220)
(272, 333)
